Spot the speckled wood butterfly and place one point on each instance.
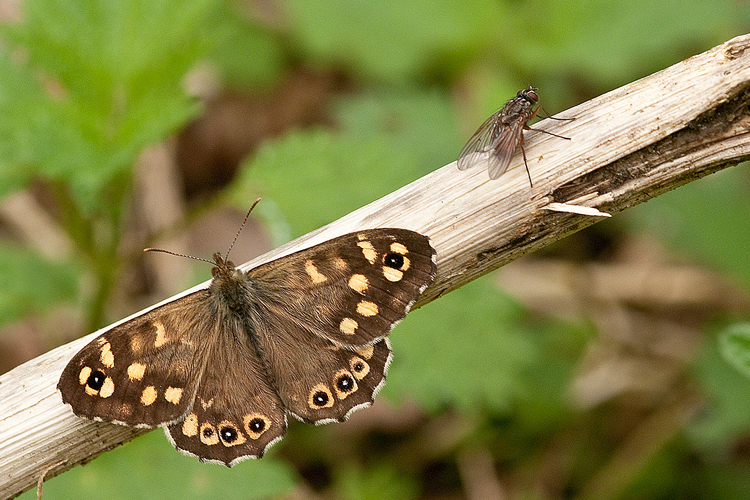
(221, 368)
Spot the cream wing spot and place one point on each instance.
(84, 374)
(316, 276)
(161, 334)
(367, 308)
(136, 371)
(173, 395)
(397, 247)
(108, 388)
(148, 396)
(366, 352)
(340, 264)
(348, 326)
(137, 343)
(127, 409)
(406, 265)
(106, 356)
(368, 251)
(190, 425)
(359, 283)
(392, 275)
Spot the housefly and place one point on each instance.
(495, 141)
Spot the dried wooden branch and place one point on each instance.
(627, 146)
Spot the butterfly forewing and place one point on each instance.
(143, 372)
(354, 289)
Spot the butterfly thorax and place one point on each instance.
(230, 285)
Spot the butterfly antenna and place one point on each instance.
(177, 254)
(247, 216)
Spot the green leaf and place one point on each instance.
(32, 283)
(473, 353)
(112, 75)
(734, 344)
(727, 415)
(149, 467)
(395, 40)
(385, 140)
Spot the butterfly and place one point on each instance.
(496, 139)
(221, 368)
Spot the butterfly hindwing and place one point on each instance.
(321, 382)
(236, 413)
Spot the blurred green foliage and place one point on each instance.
(85, 86)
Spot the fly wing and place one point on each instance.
(477, 150)
(502, 149)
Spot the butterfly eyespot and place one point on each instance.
(229, 435)
(394, 260)
(395, 264)
(320, 397)
(256, 424)
(359, 367)
(208, 434)
(96, 380)
(344, 384)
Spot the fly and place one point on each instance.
(495, 141)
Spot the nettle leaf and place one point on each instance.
(111, 74)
